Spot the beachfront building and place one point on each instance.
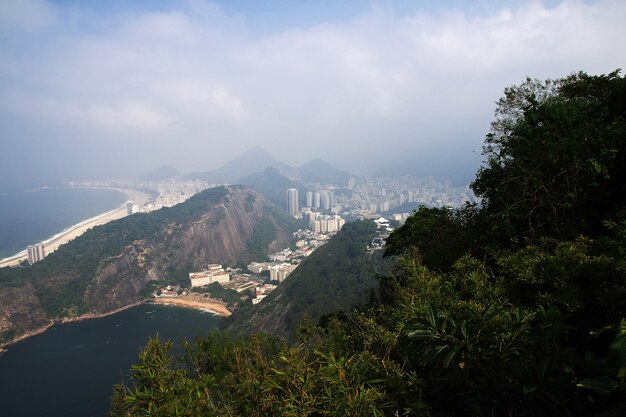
(36, 253)
(213, 273)
(132, 208)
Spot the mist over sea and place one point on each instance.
(29, 217)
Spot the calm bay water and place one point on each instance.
(32, 216)
(70, 369)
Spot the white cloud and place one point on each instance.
(374, 84)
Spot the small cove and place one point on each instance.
(70, 369)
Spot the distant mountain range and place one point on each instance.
(258, 159)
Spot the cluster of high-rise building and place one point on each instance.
(324, 223)
(36, 253)
(372, 196)
(369, 197)
(321, 200)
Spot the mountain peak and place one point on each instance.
(320, 171)
(257, 151)
(253, 160)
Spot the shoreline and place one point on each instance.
(212, 307)
(67, 320)
(52, 243)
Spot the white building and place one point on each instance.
(256, 267)
(325, 201)
(281, 271)
(292, 201)
(316, 200)
(36, 253)
(132, 208)
(213, 273)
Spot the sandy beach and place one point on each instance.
(183, 301)
(53, 243)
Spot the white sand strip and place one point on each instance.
(53, 243)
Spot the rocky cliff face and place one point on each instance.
(110, 266)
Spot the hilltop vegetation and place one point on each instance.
(514, 308)
(336, 277)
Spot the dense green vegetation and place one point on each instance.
(335, 277)
(215, 290)
(75, 264)
(515, 308)
(265, 233)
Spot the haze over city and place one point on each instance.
(113, 89)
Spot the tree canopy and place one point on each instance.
(512, 308)
(556, 157)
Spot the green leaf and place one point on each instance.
(599, 387)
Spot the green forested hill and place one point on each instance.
(112, 265)
(336, 277)
(513, 308)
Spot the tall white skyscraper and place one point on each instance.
(325, 200)
(292, 201)
(316, 200)
(36, 253)
(132, 208)
(309, 199)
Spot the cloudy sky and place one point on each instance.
(115, 88)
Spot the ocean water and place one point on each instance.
(32, 216)
(70, 370)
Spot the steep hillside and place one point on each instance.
(272, 185)
(335, 277)
(110, 266)
(319, 171)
